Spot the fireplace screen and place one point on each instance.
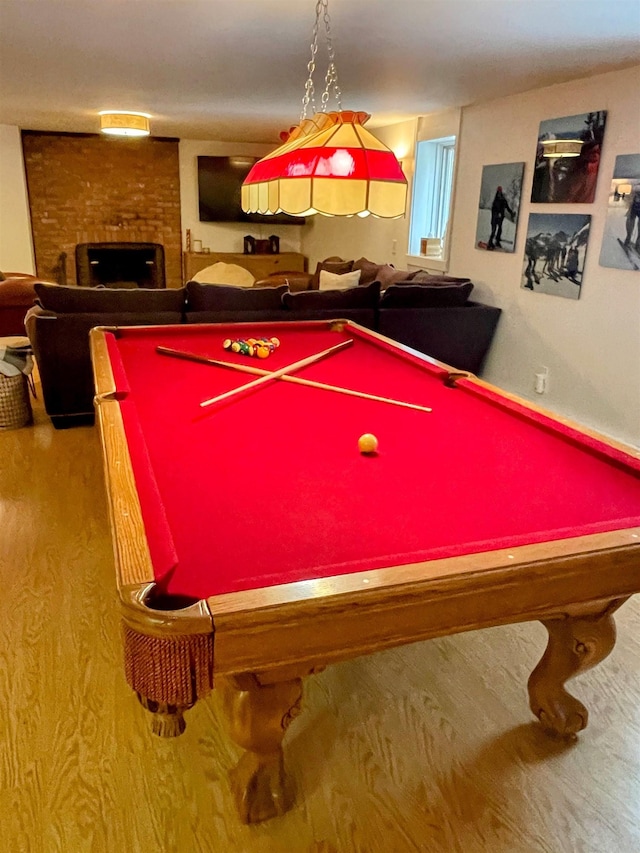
(120, 265)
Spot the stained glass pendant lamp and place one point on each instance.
(330, 163)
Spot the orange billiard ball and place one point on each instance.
(368, 443)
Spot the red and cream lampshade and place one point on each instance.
(329, 164)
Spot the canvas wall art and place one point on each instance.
(555, 252)
(498, 208)
(621, 239)
(561, 174)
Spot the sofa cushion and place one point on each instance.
(363, 296)
(386, 274)
(223, 297)
(294, 280)
(334, 281)
(368, 270)
(80, 300)
(424, 295)
(334, 264)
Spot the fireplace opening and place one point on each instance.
(120, 265)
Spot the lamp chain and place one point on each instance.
(331, 77)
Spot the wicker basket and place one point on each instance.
(15, 403)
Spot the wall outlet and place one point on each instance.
(541, 381)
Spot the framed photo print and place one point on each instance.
(621, 239)
(568, 158)
(498, 207)
(555, 251)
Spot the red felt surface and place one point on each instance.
(269, 487)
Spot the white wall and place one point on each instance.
(591, 347)
(16, 243)
(224, 236)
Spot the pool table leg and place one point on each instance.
(257, 716)
(166, 720)
(578, 640)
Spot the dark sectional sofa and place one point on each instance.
(438, 320)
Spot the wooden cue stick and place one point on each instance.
(298, 380)
(297, 365)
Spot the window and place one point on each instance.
(432, 190)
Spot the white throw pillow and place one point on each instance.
(333, 281)
(222, 273)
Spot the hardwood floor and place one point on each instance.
(429, 747)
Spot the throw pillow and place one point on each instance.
(333, 281)
(2, 276)
(424, 296)
(368, 270)
(335, 265)
(222, 273)
(294, 280)
(364, 296)
(388, 275)
(82, 300)
(226, 297)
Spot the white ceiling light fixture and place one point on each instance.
(124, 123)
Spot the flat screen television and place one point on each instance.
(219, 184)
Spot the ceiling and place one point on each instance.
(234, 70)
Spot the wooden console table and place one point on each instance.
(260, 266)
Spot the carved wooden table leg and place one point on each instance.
(578, 640)
(257, 716)
(167, 720)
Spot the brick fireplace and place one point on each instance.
(87, 189)
(120, 264)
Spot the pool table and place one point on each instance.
(255, 544)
